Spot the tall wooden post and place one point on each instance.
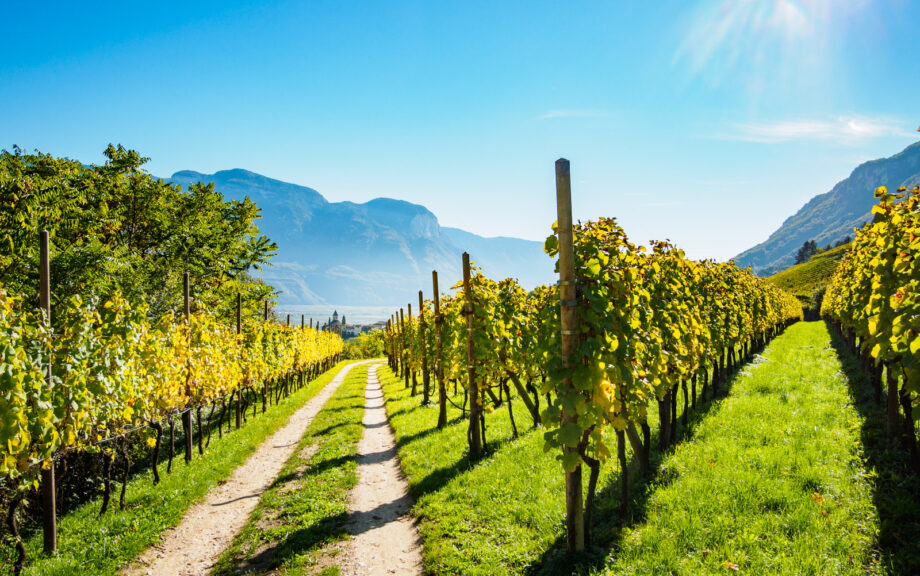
(396, 345)
(404, 346)
(288, 323)
(409, 363)
(574, 510)
(187, 416)
(439, 374)
(474, 435)
(311, 323)
(426, 378)
(239, 313)
(386, 344)
(302, 319)
(49, 491)
(265, 313)
(239, 389)
(397, 362)
(892, 412)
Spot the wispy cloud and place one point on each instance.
(840, 129)
(576, 113)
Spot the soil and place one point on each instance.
(208, 527)
(384, 537)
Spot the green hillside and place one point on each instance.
(830, 217)
(802, 280)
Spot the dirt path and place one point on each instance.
(208, 528)
(384, 537)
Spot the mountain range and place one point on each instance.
(830, 217)
(380, 252)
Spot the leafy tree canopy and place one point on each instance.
(115, 228)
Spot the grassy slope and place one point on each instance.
(89, 544)
(306, 507)
(774, 483)
(782, 450)
(803, 279)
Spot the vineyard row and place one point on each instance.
(625, 331)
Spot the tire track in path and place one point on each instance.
(384, 538)
(208, 527)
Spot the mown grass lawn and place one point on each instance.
(90, 544)
(768, 480)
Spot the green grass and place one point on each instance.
(774, 482)
(803, 279)
(496, 516)
(306, 507)
(770, 479)
(89, 544)
(895, 484)
(501, 515)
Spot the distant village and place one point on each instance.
(350, 330)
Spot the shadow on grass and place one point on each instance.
(609, 525)
(894, 486)
(327, 530)
(440, 477)
(410, 438)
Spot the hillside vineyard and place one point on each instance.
(649, 326)
(873, 301)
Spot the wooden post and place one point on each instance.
(302, 325)
(474, 435)
(426, 378)
(49, 491)
(265, 313)
(239, 389)
(574, 509)
(311, 323)
(404, 346)
(288, 323)
(239, 313)
(409, 352)
(439, 374)
(187, 416)
(397, 361)
(891, 423)
(394, 344)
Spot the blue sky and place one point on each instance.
(707, 123)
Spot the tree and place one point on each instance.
(115, 228)
(808, 249)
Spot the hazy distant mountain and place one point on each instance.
(381, 252)
(830, 217)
